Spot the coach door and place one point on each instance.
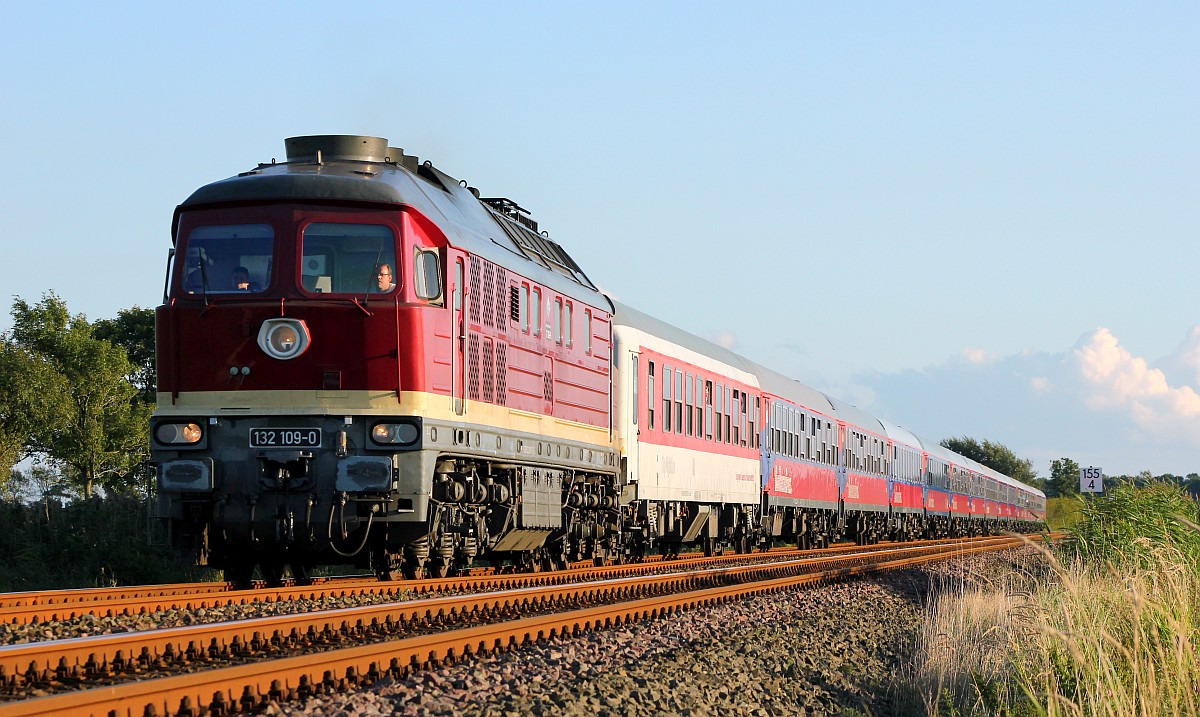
(633, 446)
(458, 349)
(842, 460)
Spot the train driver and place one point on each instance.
(384, 279)
(241, 279)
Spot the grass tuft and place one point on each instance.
(1110, 628)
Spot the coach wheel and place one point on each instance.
(529, 561)
(710, 547)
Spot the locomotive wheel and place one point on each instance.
(302, 573)
(412, 571)
(240, 573)
(385, 565)
(438, 567)
(272, 571)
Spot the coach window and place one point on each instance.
(688, 400)
(649, 392)
(803, 434)
(537, 311)
(795, 420)
(567, 324)
(709, 409)
(715, 433)
(699, 407)
(587, 333)
(754, 422)
(679, 402)
(745, 407)
(666, 412)
(729, 410)
(558, 309)
(750, 411)
(229, 259)
(525, 308)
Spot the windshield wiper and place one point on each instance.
(374, 273)
(203, 279)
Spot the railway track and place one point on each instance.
(61, 605)
(236, 666)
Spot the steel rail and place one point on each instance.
(77, 659)
(251, 685)
(58, 605)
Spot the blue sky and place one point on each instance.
(971, 218)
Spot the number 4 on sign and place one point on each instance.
(1091, 480)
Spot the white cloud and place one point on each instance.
(1183, 366)
(975, 355)
(1095, 402)
(1119, 380)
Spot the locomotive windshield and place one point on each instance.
(349, 259)
(228, 259)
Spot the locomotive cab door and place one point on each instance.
(459, 335)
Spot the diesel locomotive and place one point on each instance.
(363, 361)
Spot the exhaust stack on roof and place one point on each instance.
(331, 147)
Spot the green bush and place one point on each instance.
(1132, 525)
(98, 542)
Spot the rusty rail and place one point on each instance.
(56, 605)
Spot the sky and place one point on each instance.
(968, 218)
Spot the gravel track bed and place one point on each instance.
(85, 625)
(822, 651)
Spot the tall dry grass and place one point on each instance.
(1111, 627)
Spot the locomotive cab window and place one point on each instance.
(349, 259)
(228, 259)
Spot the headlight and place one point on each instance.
(395, 433)
(283, 338)
(176, 433)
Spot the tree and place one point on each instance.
(133, 330)
(87, 418)
(24, 382)
(996, 456)
(1191, 483)
(1064, 478)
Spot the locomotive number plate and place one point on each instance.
(285, 438)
